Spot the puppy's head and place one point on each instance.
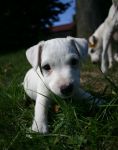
(94, 49)
(58, 60)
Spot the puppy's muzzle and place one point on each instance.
(66, 89)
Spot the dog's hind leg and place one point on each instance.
(106, 41)
(110, 56)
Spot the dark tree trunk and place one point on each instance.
(90, 14)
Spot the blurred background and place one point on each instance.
(24, 23)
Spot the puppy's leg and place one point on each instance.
(40, 117)
(106, 40)
(110, 57)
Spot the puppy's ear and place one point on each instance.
(81, 45)
(33, 54)
(92, 41)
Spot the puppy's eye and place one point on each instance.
(73, 61)
(47, 67)
(92, 50)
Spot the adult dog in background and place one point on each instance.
(100, 43)
(96, 47)
(56, 69)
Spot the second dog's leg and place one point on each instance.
(106, 40)
(110, 56)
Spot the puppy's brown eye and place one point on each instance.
(73, 61)
(46, 67)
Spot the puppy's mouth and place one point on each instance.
(64, 91)
(64, 96)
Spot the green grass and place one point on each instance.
(73, 127)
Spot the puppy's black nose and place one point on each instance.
(66, 89)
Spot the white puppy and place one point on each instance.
(110, 30)
(55, 70)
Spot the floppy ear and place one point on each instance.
(81, 45)
(33, 54)
(92, 41)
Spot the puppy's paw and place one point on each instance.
(41, 128)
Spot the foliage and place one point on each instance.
(25, 22)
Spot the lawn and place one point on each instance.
(73, 126)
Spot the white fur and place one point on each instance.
(41, 81)
(106, 33)
(111, 26)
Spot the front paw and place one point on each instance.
(40, 127)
